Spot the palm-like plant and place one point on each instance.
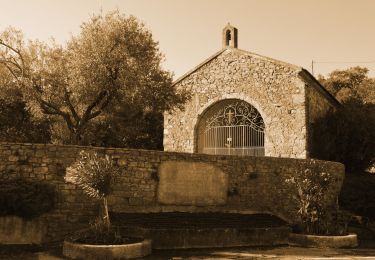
(95, 175)
(312, 185)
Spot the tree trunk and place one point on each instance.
(75, 137)
(106, 220)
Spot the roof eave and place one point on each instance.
(235, 49)
(199, 66)
(319, 87)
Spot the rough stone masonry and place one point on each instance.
(153, 181)
(288, 98)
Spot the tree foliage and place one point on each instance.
(352, 83)
(129, 127)
(17, 122)
(347, 135)
(358, 193)
(112, 63)
(18, 125)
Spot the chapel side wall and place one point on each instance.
(318, 106)
(273, 88)
(255, 184)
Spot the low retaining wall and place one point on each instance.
(154, 181)
(15, 230)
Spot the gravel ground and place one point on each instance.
(366, 251)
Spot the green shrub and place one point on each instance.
(312, 186)
(25, 198)
(18, 125)
(358, 194)
(347, 136)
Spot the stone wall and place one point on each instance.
(15, 230)
(318, 104)
(247, 184)
(274, 88)
(73, 210)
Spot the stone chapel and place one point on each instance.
(243, 103)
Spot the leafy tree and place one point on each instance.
(358, 193)
(112, 62)
(17, 122)
(18, 125)
(40, 73)
(347, 135)
(129, 127)
(352, 83)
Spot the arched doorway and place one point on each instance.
(231, 127)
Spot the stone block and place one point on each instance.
(67, 186)
(70, 198)
(48, 177)
(191, 183)
(13, 158)
(122, 162)
(15, 230)
(135, 201)
(40, 153)
(39, 170)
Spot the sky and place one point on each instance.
(335, 34)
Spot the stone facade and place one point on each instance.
(316, 106)
(249, 184)
(285, 95)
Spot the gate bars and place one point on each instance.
(233, 140)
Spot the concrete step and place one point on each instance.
(204, 230)
(180, 219)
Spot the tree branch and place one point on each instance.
(18, 52)
(11, 71)
(88, 113)
(70, 105)
(50, 109)
(13, 62)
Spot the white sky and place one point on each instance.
(189, 31)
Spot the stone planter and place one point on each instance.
(126, 251)
(323, 241)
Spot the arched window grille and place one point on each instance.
(233, 127)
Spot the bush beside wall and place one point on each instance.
(358, 194)
(25, 198)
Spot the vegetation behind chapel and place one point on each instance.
(347, 135)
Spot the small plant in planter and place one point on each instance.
(311, 190)
(95, 175)
(318, 223)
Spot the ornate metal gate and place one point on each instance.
(235, 129)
